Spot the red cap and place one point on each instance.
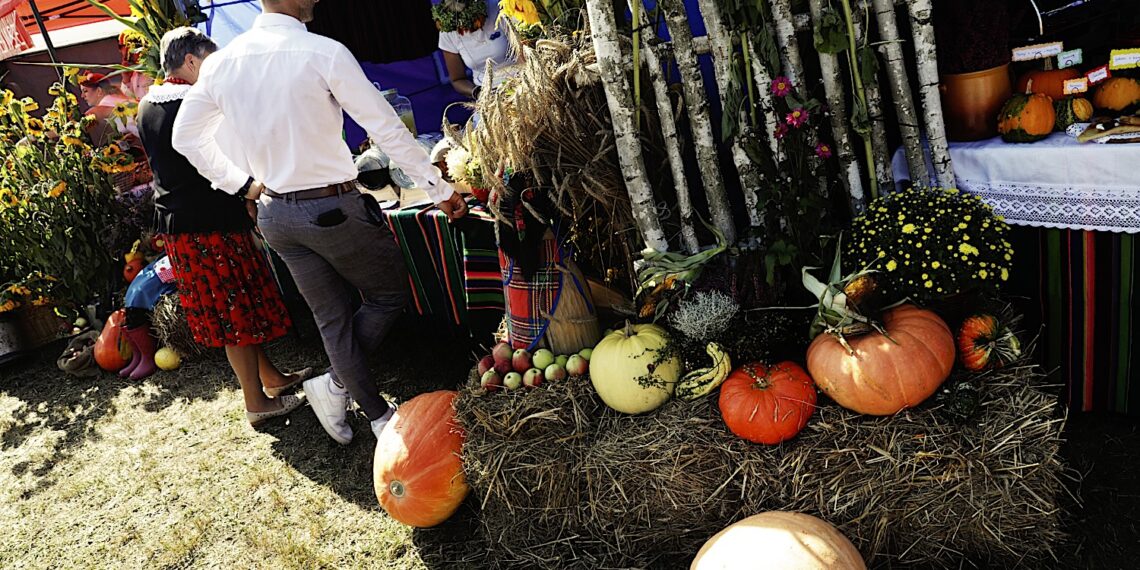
(91, 79)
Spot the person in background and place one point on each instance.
(284, 92)
(469, 38)
(227, 289)
(109, 107)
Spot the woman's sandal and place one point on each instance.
(295, 379)
(289, 403)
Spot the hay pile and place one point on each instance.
(168, 322)
(565, 482)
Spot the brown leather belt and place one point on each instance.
(313, 194)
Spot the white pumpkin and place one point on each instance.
(625, 371)
(776, 539)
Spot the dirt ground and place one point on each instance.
(167, 474)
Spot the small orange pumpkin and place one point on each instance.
(1117, 94)
(767, 404)
(1026, 118)
(984, 342)
(1049, 82)
(112, 351)
(885, 374)
(418, 470)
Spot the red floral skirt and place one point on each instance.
(228, 293)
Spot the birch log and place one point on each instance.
(697, 107)
(837, 103)
(900, 89)
(750, 177)
(603, 32)
(786, 40)
(882, 166)
(926, 55)
(669, 132)
(767, 106)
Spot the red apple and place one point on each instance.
(577, 366)
(512, 381)
(486, 363)
(521, 361)
(502, 352)
(503, 368)
(533, 378)
(555, 372)
(491, 381)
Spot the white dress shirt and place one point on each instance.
(282, 90)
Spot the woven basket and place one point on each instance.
(574, 324)
(40, 325)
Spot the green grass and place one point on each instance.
(167, 473)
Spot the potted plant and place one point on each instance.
(973, 64)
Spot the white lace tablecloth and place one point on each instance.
(1053, 183)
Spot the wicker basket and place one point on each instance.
(39, 325)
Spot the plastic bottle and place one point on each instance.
(403, 107)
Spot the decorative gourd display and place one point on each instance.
(983, 342)
(630, 372)
(417, 471)
(1071, 110)
(701, 381)
(884, 374)
(1026, 118)
(112, 351)
(767, 404)
(776, 539)
(1117, 94)
(1046, 82)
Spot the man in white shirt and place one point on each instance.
(282, 90)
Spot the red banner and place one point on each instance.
(14, 39)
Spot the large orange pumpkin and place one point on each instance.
(418, 471)
(885, 374)
(112, 351)
(767, 404)
(1047, 82)
(779, 540)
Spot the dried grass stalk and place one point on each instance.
(168, 322)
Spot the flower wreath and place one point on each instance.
(459, 16)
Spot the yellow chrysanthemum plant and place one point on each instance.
(932, 243)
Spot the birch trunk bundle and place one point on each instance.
(926, 56)
(628, 143)
(900, 90)
(882, 168)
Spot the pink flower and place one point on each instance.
(797, 117)
(823, 150)
(781, 86)
(781, 131)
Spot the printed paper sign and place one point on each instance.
(1038, 51)
(1099, 74)
(1124, 58)
(1070, 58)
(1078, 85)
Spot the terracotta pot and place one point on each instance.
(971, 102)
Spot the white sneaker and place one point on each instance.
(330, 403)
(379, 423)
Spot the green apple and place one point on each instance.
(513, 381)
(561, 359)
(542, 358)
(586, 353)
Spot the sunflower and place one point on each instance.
(73, 141)
(110, 150)
(57, 190)
(29, 104)
(40, 301)
(6, 98)
(8, 198)
(35, 126)
(71, 100)
(124, 110)
(9, 305)
(70, 72)
(55, 90)
(523, 11)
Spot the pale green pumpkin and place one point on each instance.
(628, 371)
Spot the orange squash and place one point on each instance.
(885, 374)
(417, 471)
(775, 539)
(1117, 94)
(112, 351)
(1026, 118)
(767, 404)
(1046, 82)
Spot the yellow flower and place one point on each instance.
(69, 72)
(6, 98)
(983, 274)
(522, 10)
(968, 249)
(40, 301)
(19, 290)
(57, 190)
(1004, 274)
(908, 229)
(72, 141)
(55, 90)
(7, 198)
(71, 100)
(123, 110)
(35, 126)
(928, 284)
(891, 265)
(8, 306)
